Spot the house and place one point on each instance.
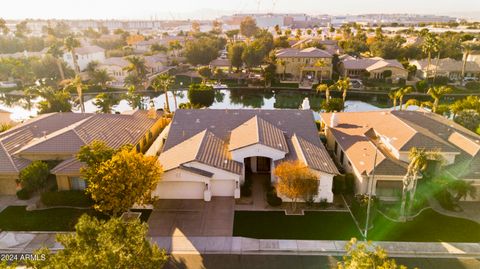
(301, 66)
(5, 117)
(446, 67)
(59, 136)
(115, 68)
(85, 55)
(210, 152)
(373, 68)
(156, 63)
(331, 46)
(355, 138)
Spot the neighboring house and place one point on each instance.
(156, 63)
(474, 56)
(209, 152)
(331, 46)
(308, 65)
(446, 68)
(373, 68)
(85, 55)
(5, 117)
(115, 68)
(59, 136)
(355, 138)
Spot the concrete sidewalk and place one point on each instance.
(28, 242)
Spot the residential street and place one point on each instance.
(220, 261)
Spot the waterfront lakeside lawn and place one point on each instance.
(16, 218)
(429, 226)
(313, 225)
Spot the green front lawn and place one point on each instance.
(313, 225)
(428, 227)
(16, 218)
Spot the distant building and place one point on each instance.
(115, 68)
(85, 55)
(373, 68)
(446, 67)
(307, 66)
(329, 45)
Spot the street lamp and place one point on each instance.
(370, 186)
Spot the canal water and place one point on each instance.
(224, 99)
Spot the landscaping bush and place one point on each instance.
(245, 191)
(422, 85)
(66, 198)
(472, 85)
(273, 199)
(349, 183)
(24, 194)
(441, 80)
(338, 184)
(34, 177)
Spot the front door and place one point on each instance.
(263, 164)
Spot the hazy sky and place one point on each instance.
(206, 9)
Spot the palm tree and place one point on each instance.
(325, 88)
(163, 82)
(402, 92)
(393, 95)
(462, 189)
(57, 53)
(101, 78)
(415, 102)
(78, 85)
(174, 46)
(283, 63)
(343, 85)
(419, 159)
(105, 101)
(138, 71)
(71, 43)
(437, 93)
(321, 64)
(467, 48)
(430, 45)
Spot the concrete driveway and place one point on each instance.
(192, 217)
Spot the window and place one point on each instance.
(341, 156)
(77, 183)
(336, 147)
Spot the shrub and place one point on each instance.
(66, 198)
(334, 104)
(338, 184)
(34, 176)
(24, 194)
(422, 85)
(323, 203)
(441, 80)
(273, 199)
(349, 183)
(245, 190)
(201, 95)
(472, 85)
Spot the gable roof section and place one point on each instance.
(258, 131)
(305, 53)
(370, 64)
(203, 147)
(316, 157)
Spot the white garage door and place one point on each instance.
(222, 187)
(180, 190)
